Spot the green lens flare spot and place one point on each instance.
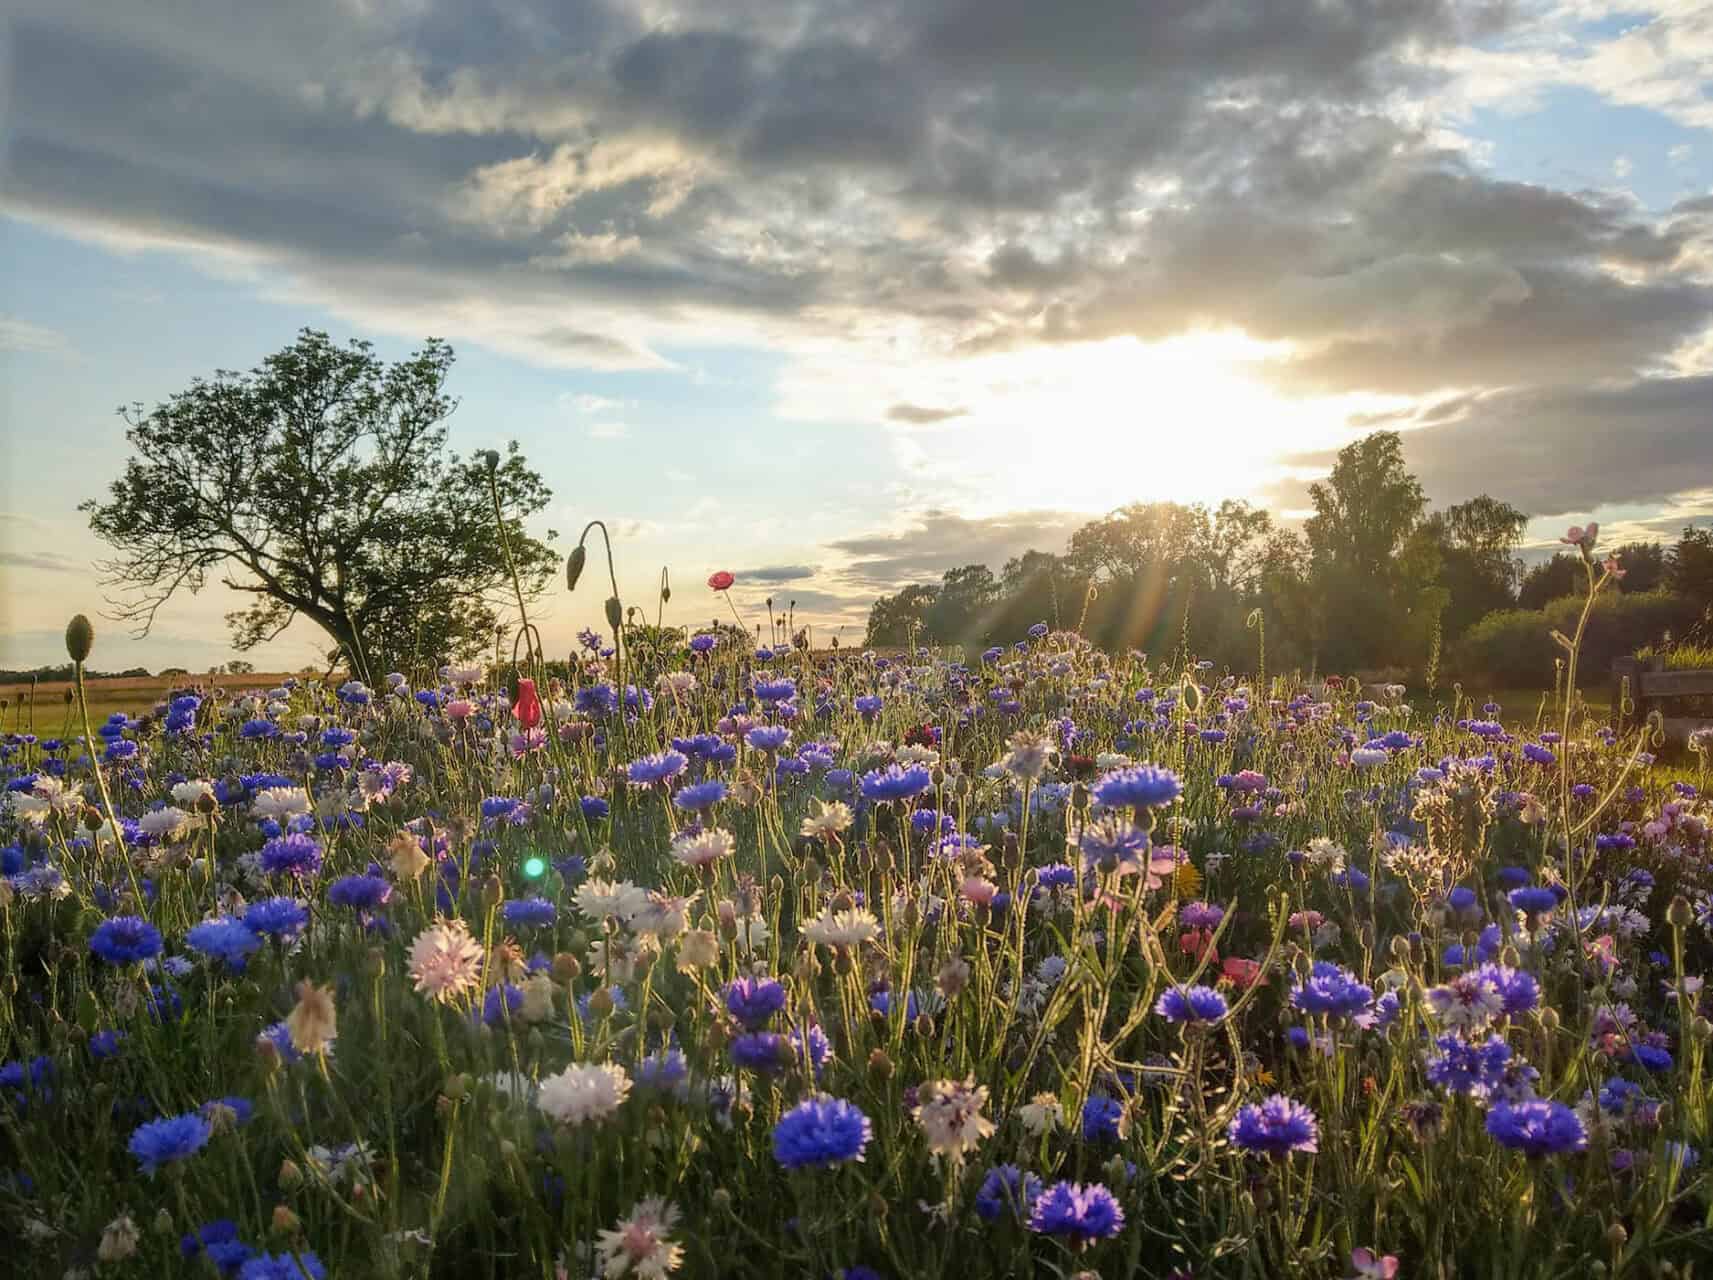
(534, 867)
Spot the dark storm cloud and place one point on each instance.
(1568, 451)
(557, 177)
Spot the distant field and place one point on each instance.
(130, 694)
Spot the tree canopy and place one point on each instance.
(321, 485)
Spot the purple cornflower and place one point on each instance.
(1276, 1127)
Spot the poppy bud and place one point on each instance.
(491, 460)
(1679, 914)
(615, 612)
(79, 638)
(574, 566)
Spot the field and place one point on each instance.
(746, 964)
(47, 706)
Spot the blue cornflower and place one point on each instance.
(105, 1044)
(753, 1001)
(294, 855)
(664, 1069)
(1111, 844)
(1532, 901)
(1617, 1095)
(660, 767)
(1192, 1004)
(125, 940)
(164, 1141)
(1081, 1214)
(279, 918)
(1651, 1056)
(1465, 1068)
(1517, 987)
(502, 1000)
(699, 797)
(1537, 1128)
(1103, 1118)
(868, 706)
(283, 1266)
(1332, 991)
(361, 893)
(1144, 786)
(529, 912)
(810, 1045)
(594, 808)
(768, 737)
(494, 808)
(219, 1240)
(1276, 1127)
(779, 689)
(1007, 1189)
(227, 939)
(767, 1052)
(821, 1132)
(1538, 754)
(895, 782)
(1055, 875)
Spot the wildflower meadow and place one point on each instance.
(704, 959)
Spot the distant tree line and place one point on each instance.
(1374, 580)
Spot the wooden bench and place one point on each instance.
(1652, 687)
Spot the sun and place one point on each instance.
(1092, 426)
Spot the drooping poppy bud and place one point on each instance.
(574, 566)
(527, 709)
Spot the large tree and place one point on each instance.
(1373, 569)
(321, 485)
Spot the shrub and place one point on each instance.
(1514, 648)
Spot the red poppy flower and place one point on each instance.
(528, 708)
(720, 581)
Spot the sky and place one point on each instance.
(839, 294)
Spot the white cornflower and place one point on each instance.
(165, 824)
(703, 848)
(677, 683)
(1323, 855)
(471, 674)
(583, 1092)
(664, 916)
(280, 803)
(1029, 755)
(445, 961)
(843, 929)
(949, 1112)
(910, 753)
(1042, 1114)
(30, 808)
(119, 1240)
(603, 899)
(827, 822)
(64, 798)
(639, 1245)
(186, 794)
(1468, 1000)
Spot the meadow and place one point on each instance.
(728, 961)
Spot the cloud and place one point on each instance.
(1556, 452)
(47, 561)
(584, 184)
(21, 335)
(775, 574)
(941, 540)
(922, 415)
